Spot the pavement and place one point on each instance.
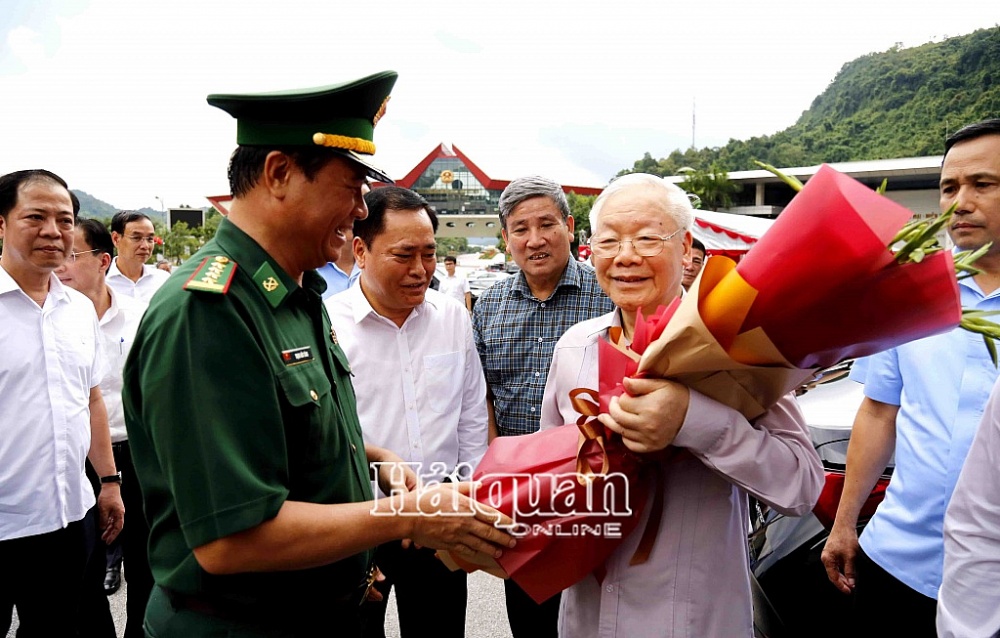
(486, 616)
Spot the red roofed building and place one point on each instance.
(453, 184)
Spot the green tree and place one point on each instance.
(712, 187)
(897, 103)
(207, 231)
(452, 246)
(180, 242)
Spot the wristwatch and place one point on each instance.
(114, 478)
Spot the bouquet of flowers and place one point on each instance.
(823, 285)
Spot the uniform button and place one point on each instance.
(315, 397)
(353, 448)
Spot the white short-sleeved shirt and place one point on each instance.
(118, 327)
(51, 360)
(149, 282)
(455, 287)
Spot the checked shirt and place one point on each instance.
(515, 335)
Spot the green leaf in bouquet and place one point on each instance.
(965, 259)
(793, 182)
(921, 237)
(976, 321)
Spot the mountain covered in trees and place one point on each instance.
(94, 208)
(897, 103)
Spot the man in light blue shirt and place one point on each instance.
(341, 274)
(924, 401)
(337, 280)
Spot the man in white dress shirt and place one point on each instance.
(118, 316)
(968, 604)
(51, 411)
(455, 285)
(420, 388)
(134, 237)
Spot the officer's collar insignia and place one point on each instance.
(333, 336)
(296, 356)
(214, 274)
(270, 284)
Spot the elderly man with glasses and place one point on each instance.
(134, 237)
(695, 581)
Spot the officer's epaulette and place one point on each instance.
(214, 274)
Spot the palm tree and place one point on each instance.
(711, 189)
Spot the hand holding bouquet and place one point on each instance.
(820, 287)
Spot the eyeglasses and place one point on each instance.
(135, 239)
(72, 256)
(644, 245)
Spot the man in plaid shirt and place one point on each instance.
(516, 323)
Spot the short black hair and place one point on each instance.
(97, 236)
(697, 245)
(379, 200)
(11, 183)
(247, 163)
(450, 259)
(124, 217)
(971, 132)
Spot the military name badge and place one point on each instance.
(296, 356)
(214, 274)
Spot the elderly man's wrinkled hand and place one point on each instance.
(650, 415)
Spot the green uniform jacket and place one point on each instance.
(236, 401)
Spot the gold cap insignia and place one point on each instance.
(381, 111)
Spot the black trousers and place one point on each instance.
(884, 606)
(95, 619)
(134, 540)
(42, 576)
(430, 599)
(527, 618)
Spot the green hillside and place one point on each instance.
(898, 103)
(94, 208)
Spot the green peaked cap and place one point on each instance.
(341, 117)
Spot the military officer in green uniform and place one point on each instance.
(239, 403)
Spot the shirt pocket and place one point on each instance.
(77, 350)
(304, 386)
(310, 425)
(443, 381)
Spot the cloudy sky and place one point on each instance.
(110, 94)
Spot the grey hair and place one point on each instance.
(678, 204)
(524, 188)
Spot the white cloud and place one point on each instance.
(26, 46)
